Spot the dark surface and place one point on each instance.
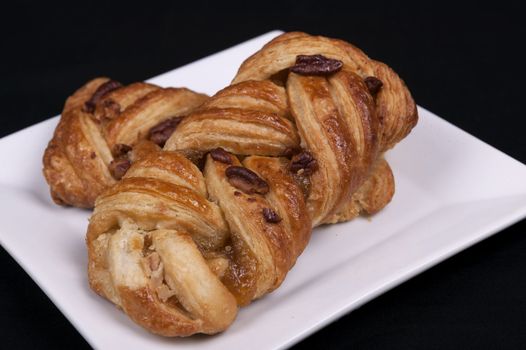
(464, 64)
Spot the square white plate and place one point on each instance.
(452, 191)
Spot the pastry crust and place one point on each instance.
(250, 118)
(337, 123)
(394, 104)
(372, 196)
(70, 147)
(77, 157)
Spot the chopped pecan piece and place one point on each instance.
(102, 90)
(246, 180)
(221, 155)
(111, 109)
(271, 216)
(373, 85)
(160, 133)
(303, 163)
(118, 167)
(316, 65)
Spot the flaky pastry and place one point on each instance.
(100, 123)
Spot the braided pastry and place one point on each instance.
(179, 251)
(218, 218)
(99, 124)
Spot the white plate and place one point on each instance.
(452, 191)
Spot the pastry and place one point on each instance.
(394, 106)
(178, 250)
(100, 123)
(321, 101)
(219, 216)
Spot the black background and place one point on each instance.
(464, 63)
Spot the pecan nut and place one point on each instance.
(271, 216)
(161, 132)
(102, 90)
(316, 65)
(373, 85)
(303, 163)
(118, 167)
(221, 155)
(246, 180)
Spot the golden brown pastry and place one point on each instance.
(218, 218)
(371, 197)
(320, 102)
(100, 124)
(178, 250)
(394, 106)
